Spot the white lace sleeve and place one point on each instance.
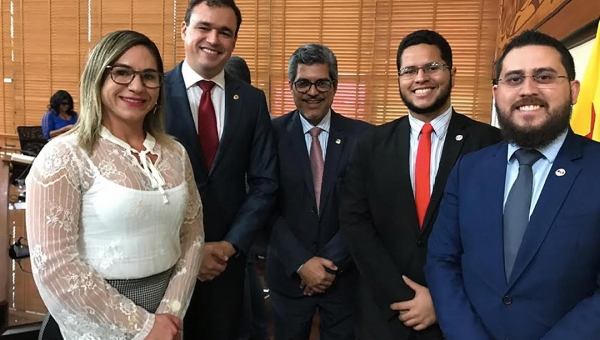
(82, 303)
(180, 289)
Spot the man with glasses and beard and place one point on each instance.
(393, 187)
(514, 253)
(309, 268)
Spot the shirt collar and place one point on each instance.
(149, 142)
(440, 124)
(549, 151)
(191, 78)
(324, 124)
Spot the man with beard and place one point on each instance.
(393, 186)
(309, 268)
(514, 252)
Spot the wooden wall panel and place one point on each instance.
(558, 18)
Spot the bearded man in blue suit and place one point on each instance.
(515, 253)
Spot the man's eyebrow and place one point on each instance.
(509, 72)
(208, 24)
(544, 69)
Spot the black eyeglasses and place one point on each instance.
(430, 69)
(124, 75)
(542, 80)
(322, 85)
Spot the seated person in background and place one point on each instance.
(114, 216)
(255, 320)
(60, 116)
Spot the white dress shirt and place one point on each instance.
(194, 93)
(540, 169)
(438, 136)
(324, 125)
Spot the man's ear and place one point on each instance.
(452, 76)
(575, 87)
(183, 30)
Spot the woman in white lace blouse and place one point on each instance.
(114, 218)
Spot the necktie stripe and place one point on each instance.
(422, 173)
(207, 123)
(316, 163)
(517, 207)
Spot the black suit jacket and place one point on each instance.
(300, 232)
(246, 154)
(379, 218)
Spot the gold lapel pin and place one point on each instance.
(338, 141)
(236, 97)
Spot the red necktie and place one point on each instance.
(316, 162)
(207, 123)
(422, 173)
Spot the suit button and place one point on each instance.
(507, 301)
(420, 244)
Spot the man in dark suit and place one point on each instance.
(308, 265)
(514, 253)
(225, 127)
(393, 186)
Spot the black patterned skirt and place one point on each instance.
(146, 292)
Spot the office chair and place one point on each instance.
(31, 139)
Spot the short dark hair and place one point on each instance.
(61, 96)
(425, 37)
(237, 67)
(311, 54)
(215, 3)
(535, 38)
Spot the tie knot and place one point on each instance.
(527, 156)
(427, 129)
(315, 132)
(206, 85)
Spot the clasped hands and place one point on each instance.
(166, 327)
(214, 259)
(315, 278)
(417, 313)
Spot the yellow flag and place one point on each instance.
(585, 120)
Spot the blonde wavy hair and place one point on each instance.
(105, 53)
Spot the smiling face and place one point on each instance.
(313, 105)
(531, 115)
(209, 39)
(130, 103)
(426, 95)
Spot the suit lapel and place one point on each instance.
(335, 146)
(453, 144)
(182, 122)
(295, 136)
(489, 210)
(555, 191)
(233, 109)
(401, 180)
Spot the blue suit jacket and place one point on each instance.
(553, 292)
(246, 154)
(299, 232)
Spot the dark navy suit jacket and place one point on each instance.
(299, 232)
(246, 154)
(379, 217)
(554, 290)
